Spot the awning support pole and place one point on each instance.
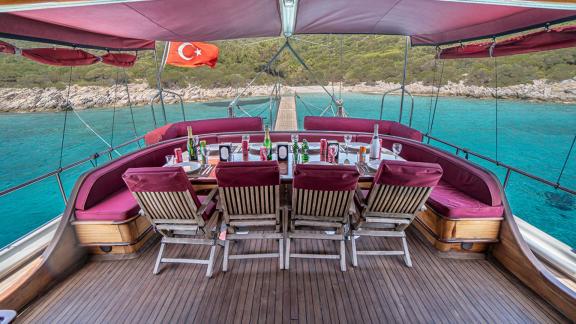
(404, 77)
(159, 82)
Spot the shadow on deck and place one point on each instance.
(380, 290)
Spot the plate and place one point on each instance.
(255, 148)
(189, 167)
(373, 164)
(319, 162)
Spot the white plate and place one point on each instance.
(355, 146)
(374, 164)
(319, 162)
(189, 167)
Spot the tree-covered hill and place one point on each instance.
(351, 59)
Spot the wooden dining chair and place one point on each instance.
(398, 192)
(168, 200)
(250, 203)
(322, 201)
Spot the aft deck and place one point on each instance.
(381, 289)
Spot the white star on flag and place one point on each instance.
(198, 52)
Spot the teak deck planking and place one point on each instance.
(381, 289)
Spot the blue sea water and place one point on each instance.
(532, 136)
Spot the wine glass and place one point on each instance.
(396, 148)
(347, 141)
(294, 137)
(169, 160)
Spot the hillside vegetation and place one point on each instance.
(350, 59)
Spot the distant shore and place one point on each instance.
(22, 100)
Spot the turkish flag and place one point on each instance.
(192, 54)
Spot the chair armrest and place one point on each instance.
(207, 201)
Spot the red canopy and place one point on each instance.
(60, 56)
(119, 59)
(544, 40)
(7, 48)
(133, 25)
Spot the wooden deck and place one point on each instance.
(287, 119)
(380, 290)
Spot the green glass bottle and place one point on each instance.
(268, 143)
(295, 151)
(191, 146)
(305, 156)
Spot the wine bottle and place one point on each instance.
(191, 146)
(305, 156)
(268, 144)
(295, 150)
(375, 144)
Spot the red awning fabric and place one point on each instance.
(119, 59)
(134, 25)
(544, 40)
(60, 56)
(7, 48)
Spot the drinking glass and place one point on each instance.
(246, 138)
(294, 137)
(396, 148)
(347, 141)
(169, 159)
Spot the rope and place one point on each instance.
(67, 103)
(114, 107)
(437, 95)
(341, 74)
(432, 94)
(130, 106)
(496, 101)
(566, 161)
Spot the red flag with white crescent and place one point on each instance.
(192, 54)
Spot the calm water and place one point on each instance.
(534, 137)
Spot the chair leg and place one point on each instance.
(281, 253)
(342, 255)
(211, 261)
(354, 254)
(159, 259)
(226, 252)
(406, 252)
(287, 263)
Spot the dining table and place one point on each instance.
(204, 177)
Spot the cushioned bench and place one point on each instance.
(361, 125)
(107, 215)
(465, 207)
(205, 126)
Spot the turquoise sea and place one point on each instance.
(532, 136)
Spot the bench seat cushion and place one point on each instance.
(118, 206)
(452, 203)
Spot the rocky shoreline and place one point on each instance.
(22, 100)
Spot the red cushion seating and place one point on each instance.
(205, 126)
(453, 203)
(118, 206)
(341, 124)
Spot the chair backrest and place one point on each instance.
(249, 188)
(402, 187)
(164, 194)
(323, 190)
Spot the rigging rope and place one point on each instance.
(496, 99)
(566, 161)
(67, 103)
(130, 106)
(114, 107)
(437, 95)
(433, 84)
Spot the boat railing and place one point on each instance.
(411, 104)
(509, 169)
(158, 95)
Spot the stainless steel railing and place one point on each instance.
(56, 173)
(509, 169)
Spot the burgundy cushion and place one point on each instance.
(248, 174)
(205, 126)
(159, 179)
(119, 206)
(345, 124)
(410, 174)
(105, 181)
(453, 203)
(325, 177)
(397, 129)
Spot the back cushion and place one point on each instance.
(107, 180)
(342, 124)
